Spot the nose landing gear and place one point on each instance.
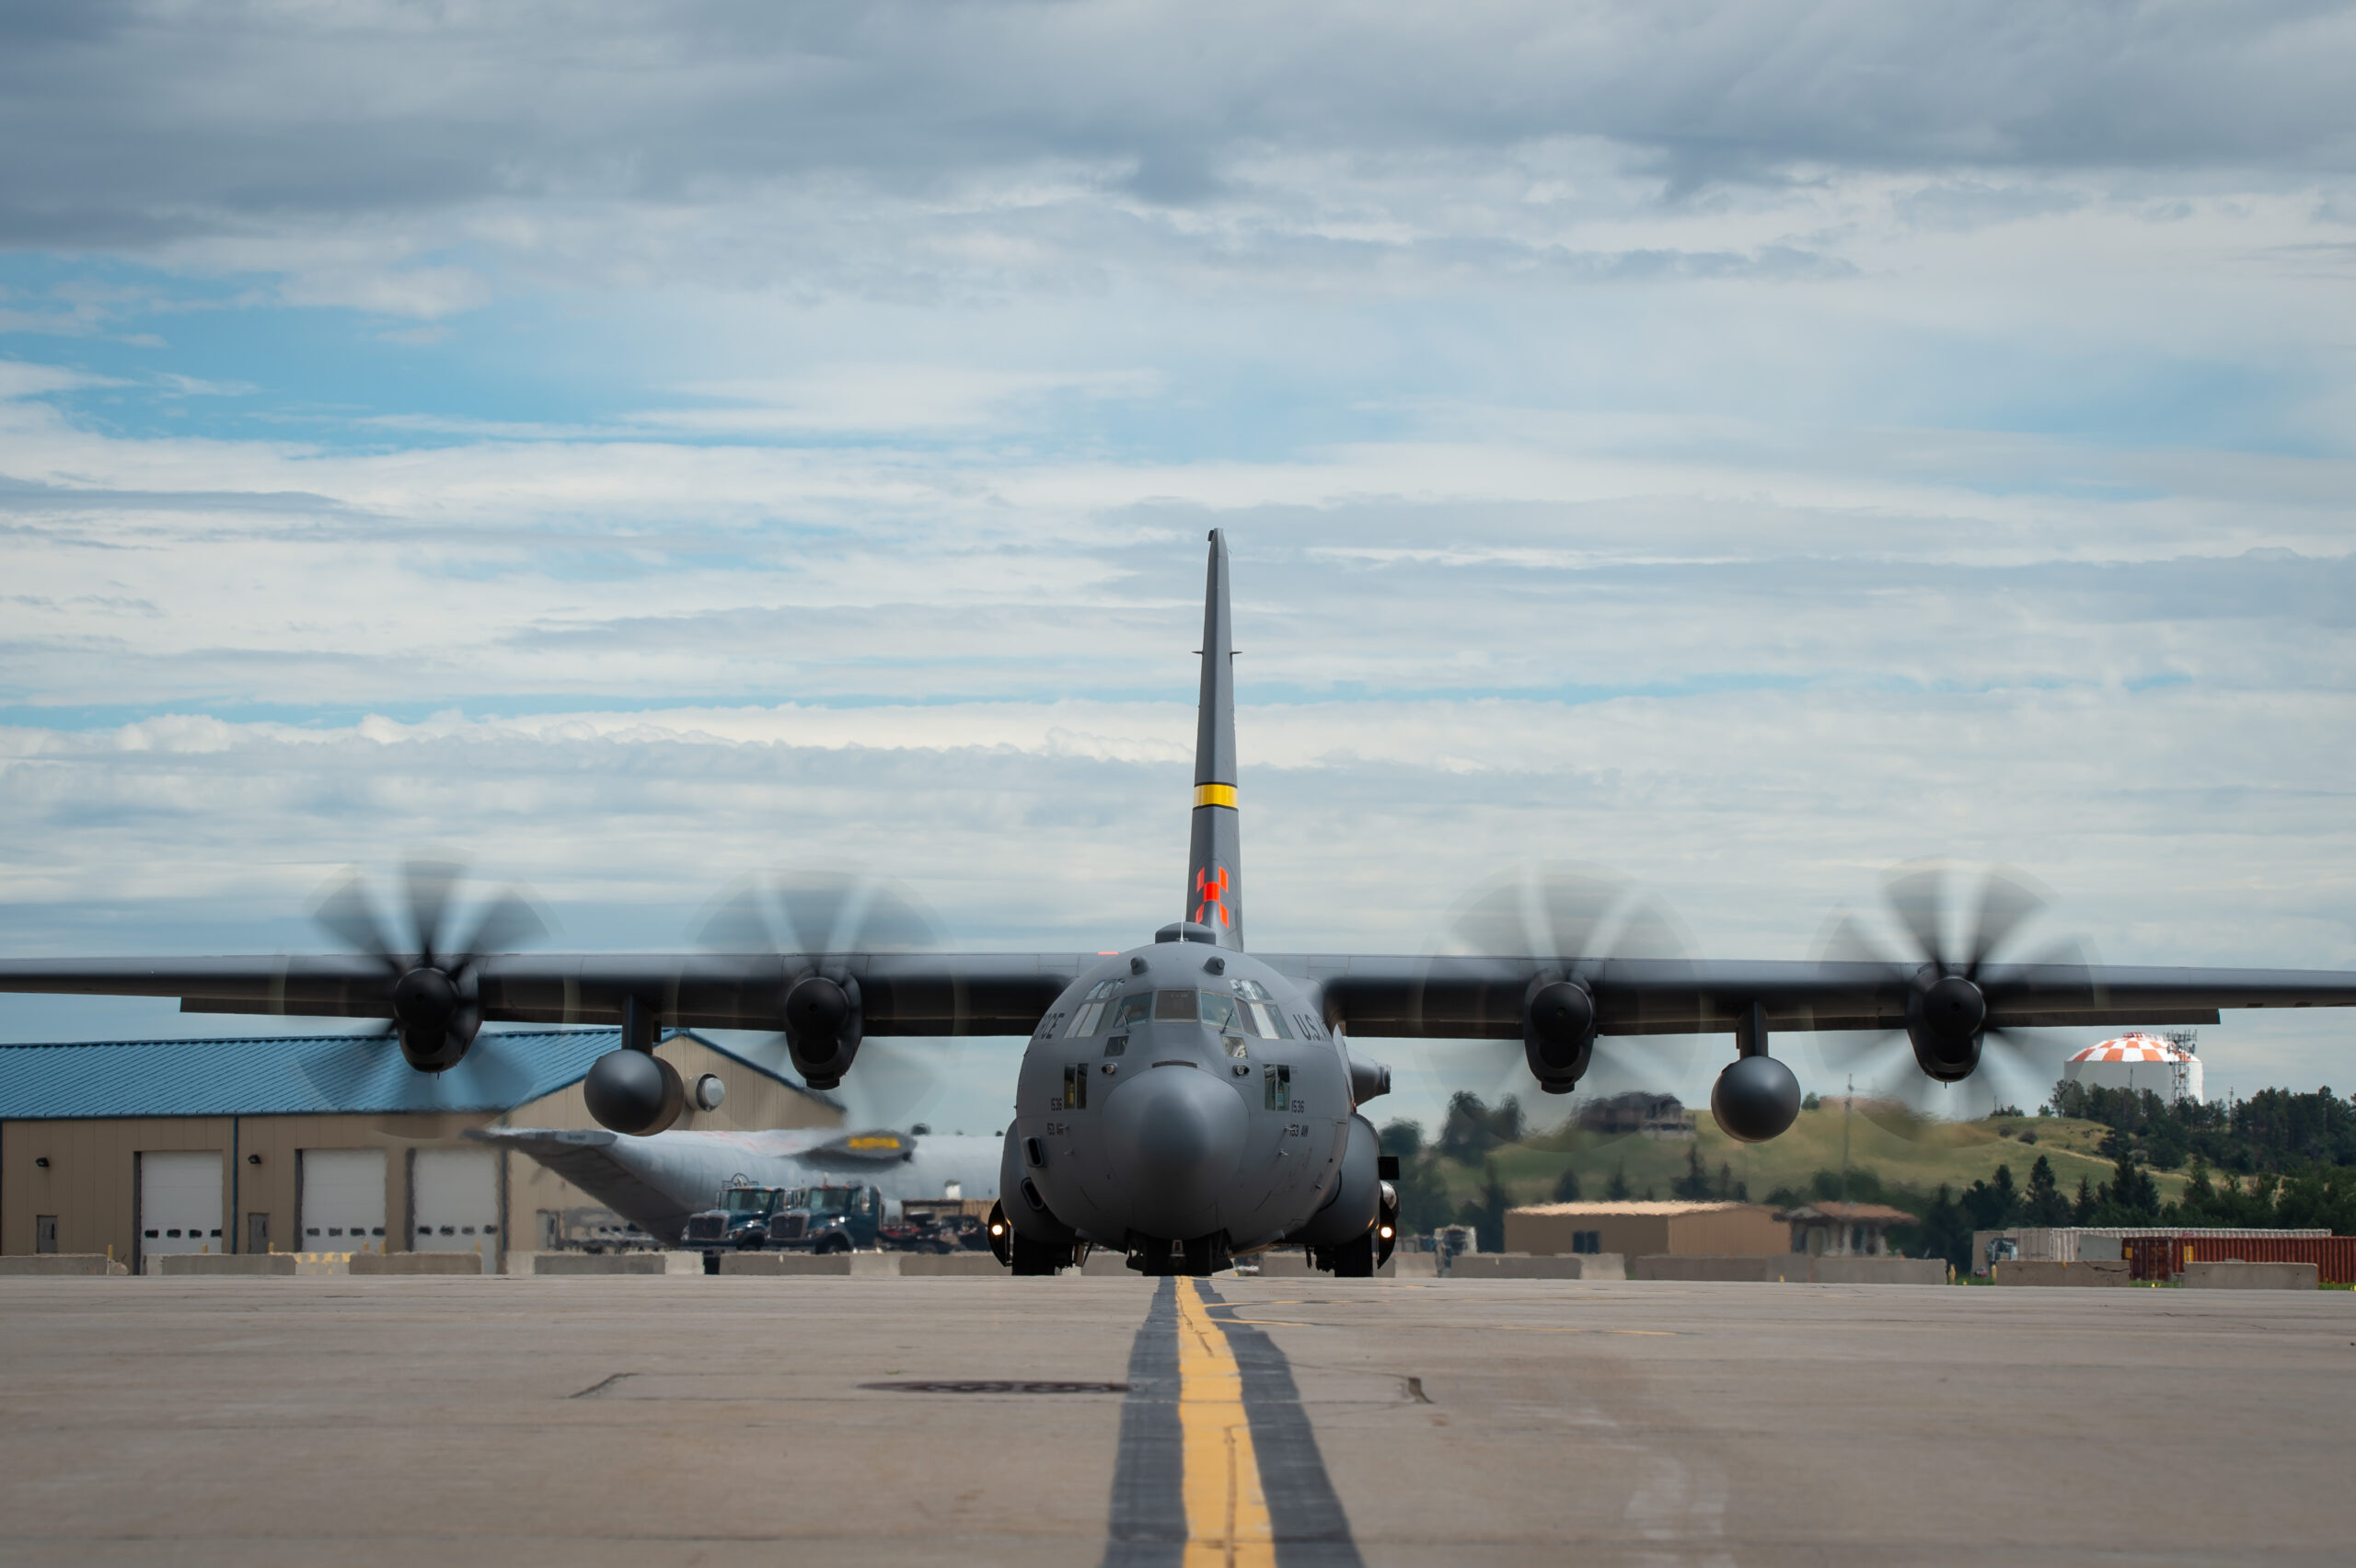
(1199, 1256)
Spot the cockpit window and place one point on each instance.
(1092, 1007)
(1258, 1012)
(1251, 1011)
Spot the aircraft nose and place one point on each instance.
(1177, 1135)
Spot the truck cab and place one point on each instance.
(739, 1221)
(827, 1219)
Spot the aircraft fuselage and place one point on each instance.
(1185, 1091)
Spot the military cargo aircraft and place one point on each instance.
(1185, 1100)
(656, 1181)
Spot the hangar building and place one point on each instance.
(1635, 1228)
(276, 1145)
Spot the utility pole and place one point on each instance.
(1848, 1104)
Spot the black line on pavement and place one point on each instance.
(1147, 1528)
(1305, 1514)
(594, 1389)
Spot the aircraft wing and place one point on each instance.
(919, 994)
(1481, 998)
(1007, 994)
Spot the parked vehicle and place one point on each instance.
(940, 1225)
(827, 1219)
(739, 1221)
(592, 1229)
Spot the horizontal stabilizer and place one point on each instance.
(584, 1157)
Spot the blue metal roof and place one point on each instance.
(292, 1075)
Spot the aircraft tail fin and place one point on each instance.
(1215, 859)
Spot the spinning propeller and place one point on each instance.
(1947, 945)
(432, 980)
(1572, 919)
(814, 919)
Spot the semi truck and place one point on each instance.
(802, 1219)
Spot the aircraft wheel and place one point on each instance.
(1355, 1260)
(1038, 1257)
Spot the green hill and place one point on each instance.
(1901, 1150)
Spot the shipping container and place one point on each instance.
(2334, 1256)
(2164, 1257)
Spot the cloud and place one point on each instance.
(153, 128)
(177, 385)
(876, 397)
(21, 379)
(1750, 445)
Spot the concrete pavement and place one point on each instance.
(722, 1420)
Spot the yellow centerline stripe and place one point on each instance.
(1227, 1512)
(1215, 795)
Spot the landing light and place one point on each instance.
(1384, 1232)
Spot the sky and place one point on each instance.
(1744, 447)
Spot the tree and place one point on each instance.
(1402, 1137)
(1505, 1120)
(1472, 1129)
(1486, 1214)
(1809, 1101)
(2044, 1204)
(1992, 1206)
(1618, 1191)
(1947, 1232)
(1423, 1198)
(2319, 1196)
(1694, 1185)
(2082, 1212)
(2131, 1197)
(1566, 1186)
(1466, 1135)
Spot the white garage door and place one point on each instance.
(453, 1201)
(180, 1202)
(343, 1200)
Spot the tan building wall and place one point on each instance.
(91, 1181)
(1746, 1230)
(1643, 1229)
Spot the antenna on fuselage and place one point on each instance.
(1215, 859)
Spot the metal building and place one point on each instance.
(140, 1149)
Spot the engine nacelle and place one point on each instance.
(434, 1017)
(1946, 1022)
(1368, 1080)
(634, 1092)
(824, 1025)
(1558, 1027)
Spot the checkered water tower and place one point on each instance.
(2164, 1064)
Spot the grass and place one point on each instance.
(1901, 1149)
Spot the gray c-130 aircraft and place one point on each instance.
(1187, 1101)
